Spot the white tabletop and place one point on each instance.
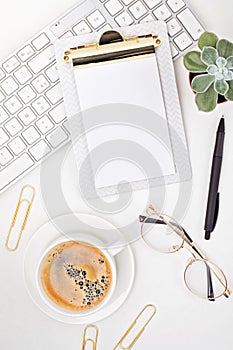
(183, 321)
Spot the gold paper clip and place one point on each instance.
(128, 347)
(87, 339)
(21, 200)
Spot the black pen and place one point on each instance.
(213, 198)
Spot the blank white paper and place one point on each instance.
(134, 82)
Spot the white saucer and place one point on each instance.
(68, 226)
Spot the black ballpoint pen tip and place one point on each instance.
(221, 126)
(207, 235)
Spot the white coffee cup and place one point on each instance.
(109, 252)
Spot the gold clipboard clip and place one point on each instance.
(111, 47)
(87, 339)
(128, 347)
(22, 199)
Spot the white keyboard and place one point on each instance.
(32, 117)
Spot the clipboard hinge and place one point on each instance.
(112, 46)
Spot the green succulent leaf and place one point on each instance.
(193, 62)
(229, 62)
(209, 55)
(224, 48)
(221, 62)
(221, 87)
(212, 69)
(207, 101)
(207, 39)
(228, 75)
(202, 82)
(229, 94)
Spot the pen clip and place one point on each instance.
(216, 210)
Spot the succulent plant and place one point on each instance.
(213, 68)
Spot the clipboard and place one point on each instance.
(105, 121)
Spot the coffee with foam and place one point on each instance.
(76, 276)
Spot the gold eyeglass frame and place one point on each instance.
(191, 247)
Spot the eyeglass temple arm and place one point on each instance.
(161, 222)
(210, 290)
(189, 240)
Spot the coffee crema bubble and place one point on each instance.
(76, 275)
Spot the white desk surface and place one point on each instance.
(183, 321)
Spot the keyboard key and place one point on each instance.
(96, 19)
(174, 50)
(40, 150)
(175, 5)
(127, 2)
(11, 64)
(113, 7)
(5, 156)
(40, 83)
(2, 74)
(15, 169)
(44, 124)
(3, 115)
(173, 27)
(57, 137)
(9, 86)
(55, 94)
(13, 126)
(42, 60)
(106, 28)
(191, 24)
(67, 34)
(82, 28)
(72, 17)
(13, 105)
(27, 94)
(41, 105)
(52, 73)
(162, 13)
(124, 19)
(152, 3)
(3, 137)
(183, 41)
(31, 135)
(40, 42)
(2, 97)
(66, 126)
(23, 75)
(17, 146)
(27, 116)
(148, 18)
(26, 53)
(58, 113)
(138, 9)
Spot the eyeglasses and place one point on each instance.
(164, 234)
